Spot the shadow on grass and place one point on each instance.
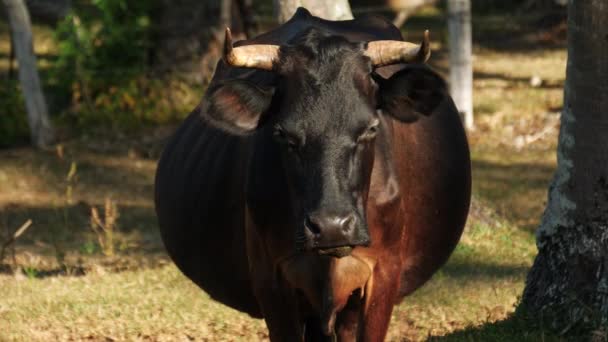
(34, 185)
(524, 326)
(482, 270)
(62, 243)
(513, 189)
(527, 175)
(514, 328)
(517, 81)
(32, 272)
(71, 225)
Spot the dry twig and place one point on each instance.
(105, 230)
(14, 237)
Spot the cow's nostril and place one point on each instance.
(312, 226)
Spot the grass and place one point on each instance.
(65, 288)
(143, 304)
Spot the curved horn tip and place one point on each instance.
(228, 39)
(425, 47)
(227, 45)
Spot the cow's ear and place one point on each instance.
(237, 106)
(411, 93)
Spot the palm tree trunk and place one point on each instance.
(21, 31)
(568, 282)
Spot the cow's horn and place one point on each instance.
(250, 56)
(385, 52)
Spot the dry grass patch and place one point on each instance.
(154, 304)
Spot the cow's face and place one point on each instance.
(322, 113)
(326, 125)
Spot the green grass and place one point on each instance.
(480, 284)
(66, 289)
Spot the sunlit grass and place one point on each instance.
(149, 304)
(481, 282)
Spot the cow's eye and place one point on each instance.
(370, 131)
(285, 138)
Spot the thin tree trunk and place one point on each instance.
(461, 60)
(21, 30)
(225, 15)
(189, 35)
(331, 10)
(48, 11)
(184, 34)
(568, 282)
(405, 8)
(401, 17)
(250, 26)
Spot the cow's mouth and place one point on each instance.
(337, 252)
(328, 283)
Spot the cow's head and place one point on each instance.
(323, 113)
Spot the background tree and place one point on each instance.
(405, 8)
(182, 34)
(568, 283)
(48, 11)
(21, 32)
(461, 60)
(188, 34)
(331, 10)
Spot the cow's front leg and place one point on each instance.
(280, 313)
(277, 303)
(379, 302)
(348, 323)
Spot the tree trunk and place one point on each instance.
(181, 44)
(225, 15)
(245, 11)
(461, 60)
(37, 115)
(189, 34)
(331, 10)
(48, 11)
(568, 283)
(405, 8)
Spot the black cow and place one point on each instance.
(324, 176)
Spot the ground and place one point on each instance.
(60, 283)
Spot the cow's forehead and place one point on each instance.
(323, 83)
(333, 111)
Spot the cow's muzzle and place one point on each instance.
(334, 235)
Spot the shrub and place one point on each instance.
(103, 64)
(103, 45)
